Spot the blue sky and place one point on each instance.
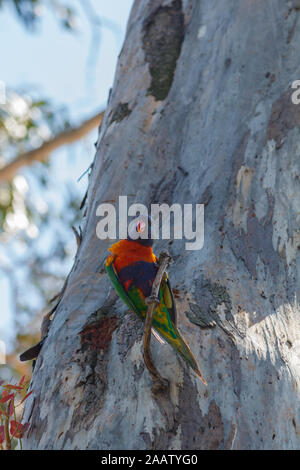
(55, 61)
(57, 64)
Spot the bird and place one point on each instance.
(131, 268)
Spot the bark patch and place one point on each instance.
(200, 317)
(256, 242)
(162, 40)
(199, 431)
(97, 335)
(92, 359)
(160, 440)
(284, 116)
(163, 191)
(236, 370)
(212, 297)
(130, 331)
(120, 112)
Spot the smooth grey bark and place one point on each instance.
(200, 112)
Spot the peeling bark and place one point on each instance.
(163, 36)
(210, 122)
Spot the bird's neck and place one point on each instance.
(133, 249)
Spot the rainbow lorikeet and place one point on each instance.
(132, 268)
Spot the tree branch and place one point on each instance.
(152, 301)
(42, 153)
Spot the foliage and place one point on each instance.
(35, 254)
(12, 429)
(26, 123)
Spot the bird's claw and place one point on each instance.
(152, 299)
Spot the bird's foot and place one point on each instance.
(152, 299)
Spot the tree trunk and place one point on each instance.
(200, 112)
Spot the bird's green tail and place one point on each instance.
(182, 349)
(164, 326)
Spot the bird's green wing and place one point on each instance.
(114, 279)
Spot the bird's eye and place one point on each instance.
(140, 226)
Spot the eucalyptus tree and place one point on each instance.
(200, 112)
